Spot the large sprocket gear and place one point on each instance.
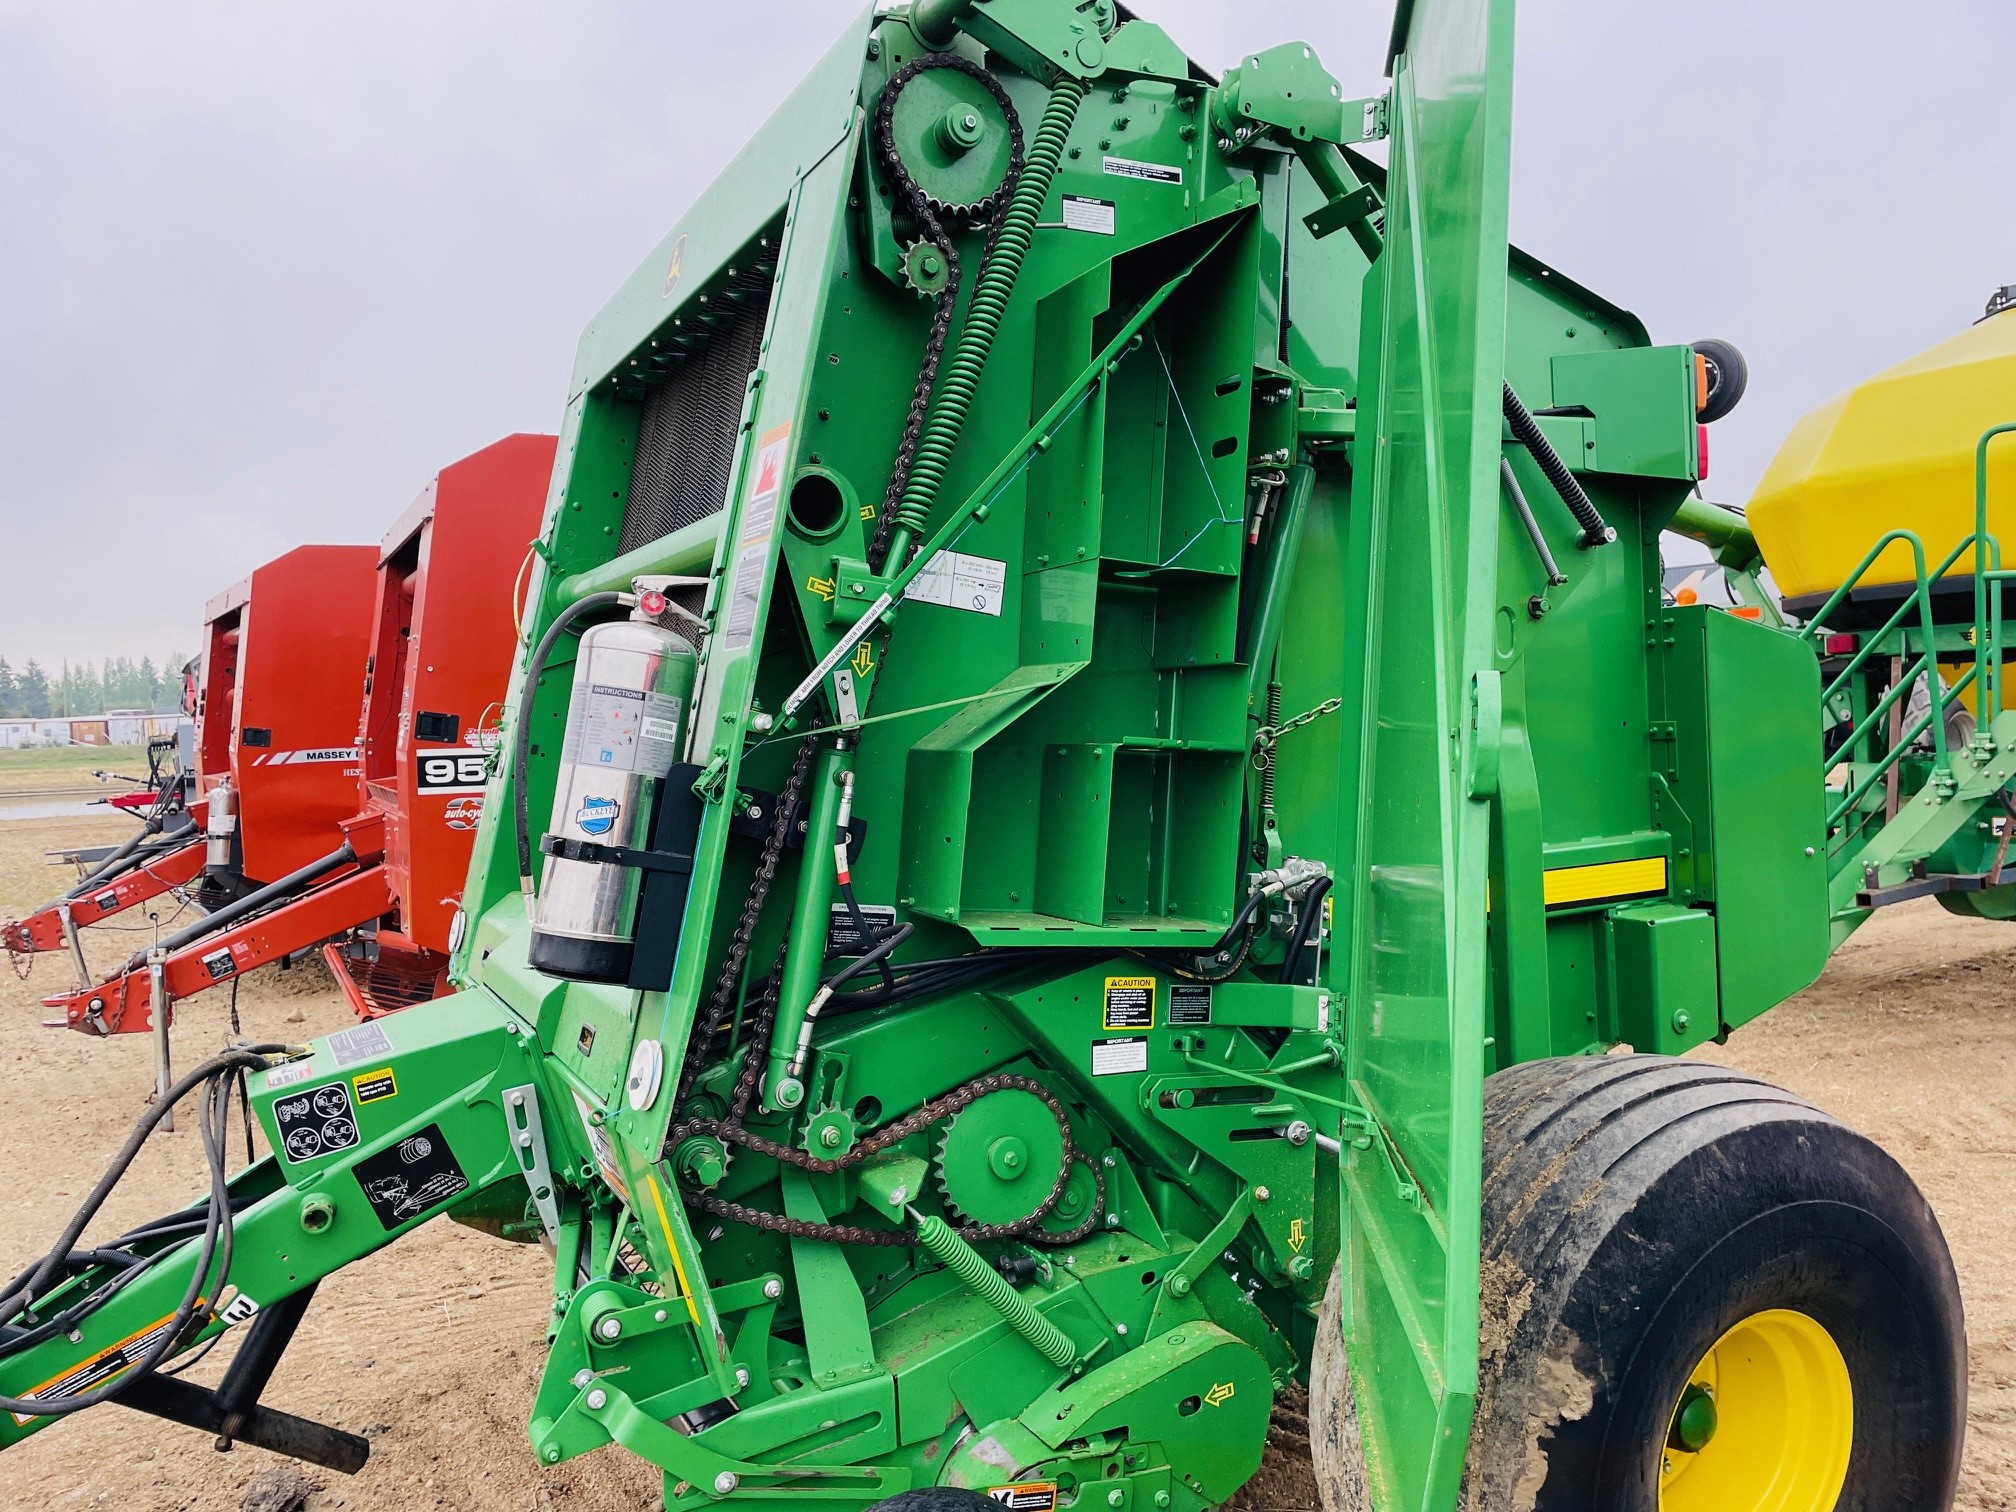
(953, 138)
(999, 1157)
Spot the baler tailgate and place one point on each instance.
(1425, 551)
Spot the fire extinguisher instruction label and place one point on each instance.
(624, 730)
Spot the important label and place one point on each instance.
(623, 730)
(1029, 1496)
(1154, 173)
(844, 937)
(439, 773)
(1189, 1004)
(317, 1122)
(1082, 213)
(1118, 1057)
(375, 1086)
(366, 1042)
(745, 596)
(414, 1175)
(959, 580)
(220, 965)
(1130, 1002)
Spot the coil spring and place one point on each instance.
(990, 302)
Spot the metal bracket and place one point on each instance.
(528, 1143)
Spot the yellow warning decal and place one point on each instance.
(1130, 1003)
(373, 1086)
(1604, 881)
(1025, 1496)
(100, 1368)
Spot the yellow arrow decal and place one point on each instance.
(1222, 1392)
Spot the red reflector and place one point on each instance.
(1701, 470)
(1841, 645)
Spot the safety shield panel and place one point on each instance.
(1425, 509)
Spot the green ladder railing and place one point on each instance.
(1986, 635)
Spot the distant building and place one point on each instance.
(120, 727)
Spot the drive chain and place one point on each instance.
(774, 844)
(731, 1131)
(919, 205)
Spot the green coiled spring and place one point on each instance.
(983, 315)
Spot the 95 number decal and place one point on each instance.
(461, 771)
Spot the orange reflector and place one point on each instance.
(1747, 611)
(1700, 383)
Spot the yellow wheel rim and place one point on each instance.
(1764, 1424)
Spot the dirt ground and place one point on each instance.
(433, 1347)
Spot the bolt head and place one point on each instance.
(741, 1376)
(582, 1378)
(773, 1289)
(1179, 1286)
(725, 1482)
(609, 1328)
(658, 1316)
(830, 1137)
(553, 1456)
(1261, 1194)
(597, 1399)
(1116, 1497)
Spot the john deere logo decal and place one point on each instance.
(597, 816)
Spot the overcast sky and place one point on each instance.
(265, 268)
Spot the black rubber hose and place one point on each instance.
(251, 903)
(215, 1077)
(521, 731)
(1526, 431)
(1308, 917)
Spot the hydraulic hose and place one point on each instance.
(1308, 919)
(991, 292)
(1525, 429)
(251, 903)
(213, 1262)
(521, 731)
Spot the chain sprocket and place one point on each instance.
(932, 1112)
(912, 198)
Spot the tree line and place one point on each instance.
(33, 692)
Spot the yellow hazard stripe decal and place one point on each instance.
(1608, 879)
(678, 1266)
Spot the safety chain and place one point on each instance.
(1268, 736)
(730, 1130)
(919, 205)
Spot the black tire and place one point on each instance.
(1335, 1450)
(1728, 377)
(937, 1499)
(1636, 1210)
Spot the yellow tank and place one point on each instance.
(1896, 452)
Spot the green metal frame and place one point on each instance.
(1265, 614)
